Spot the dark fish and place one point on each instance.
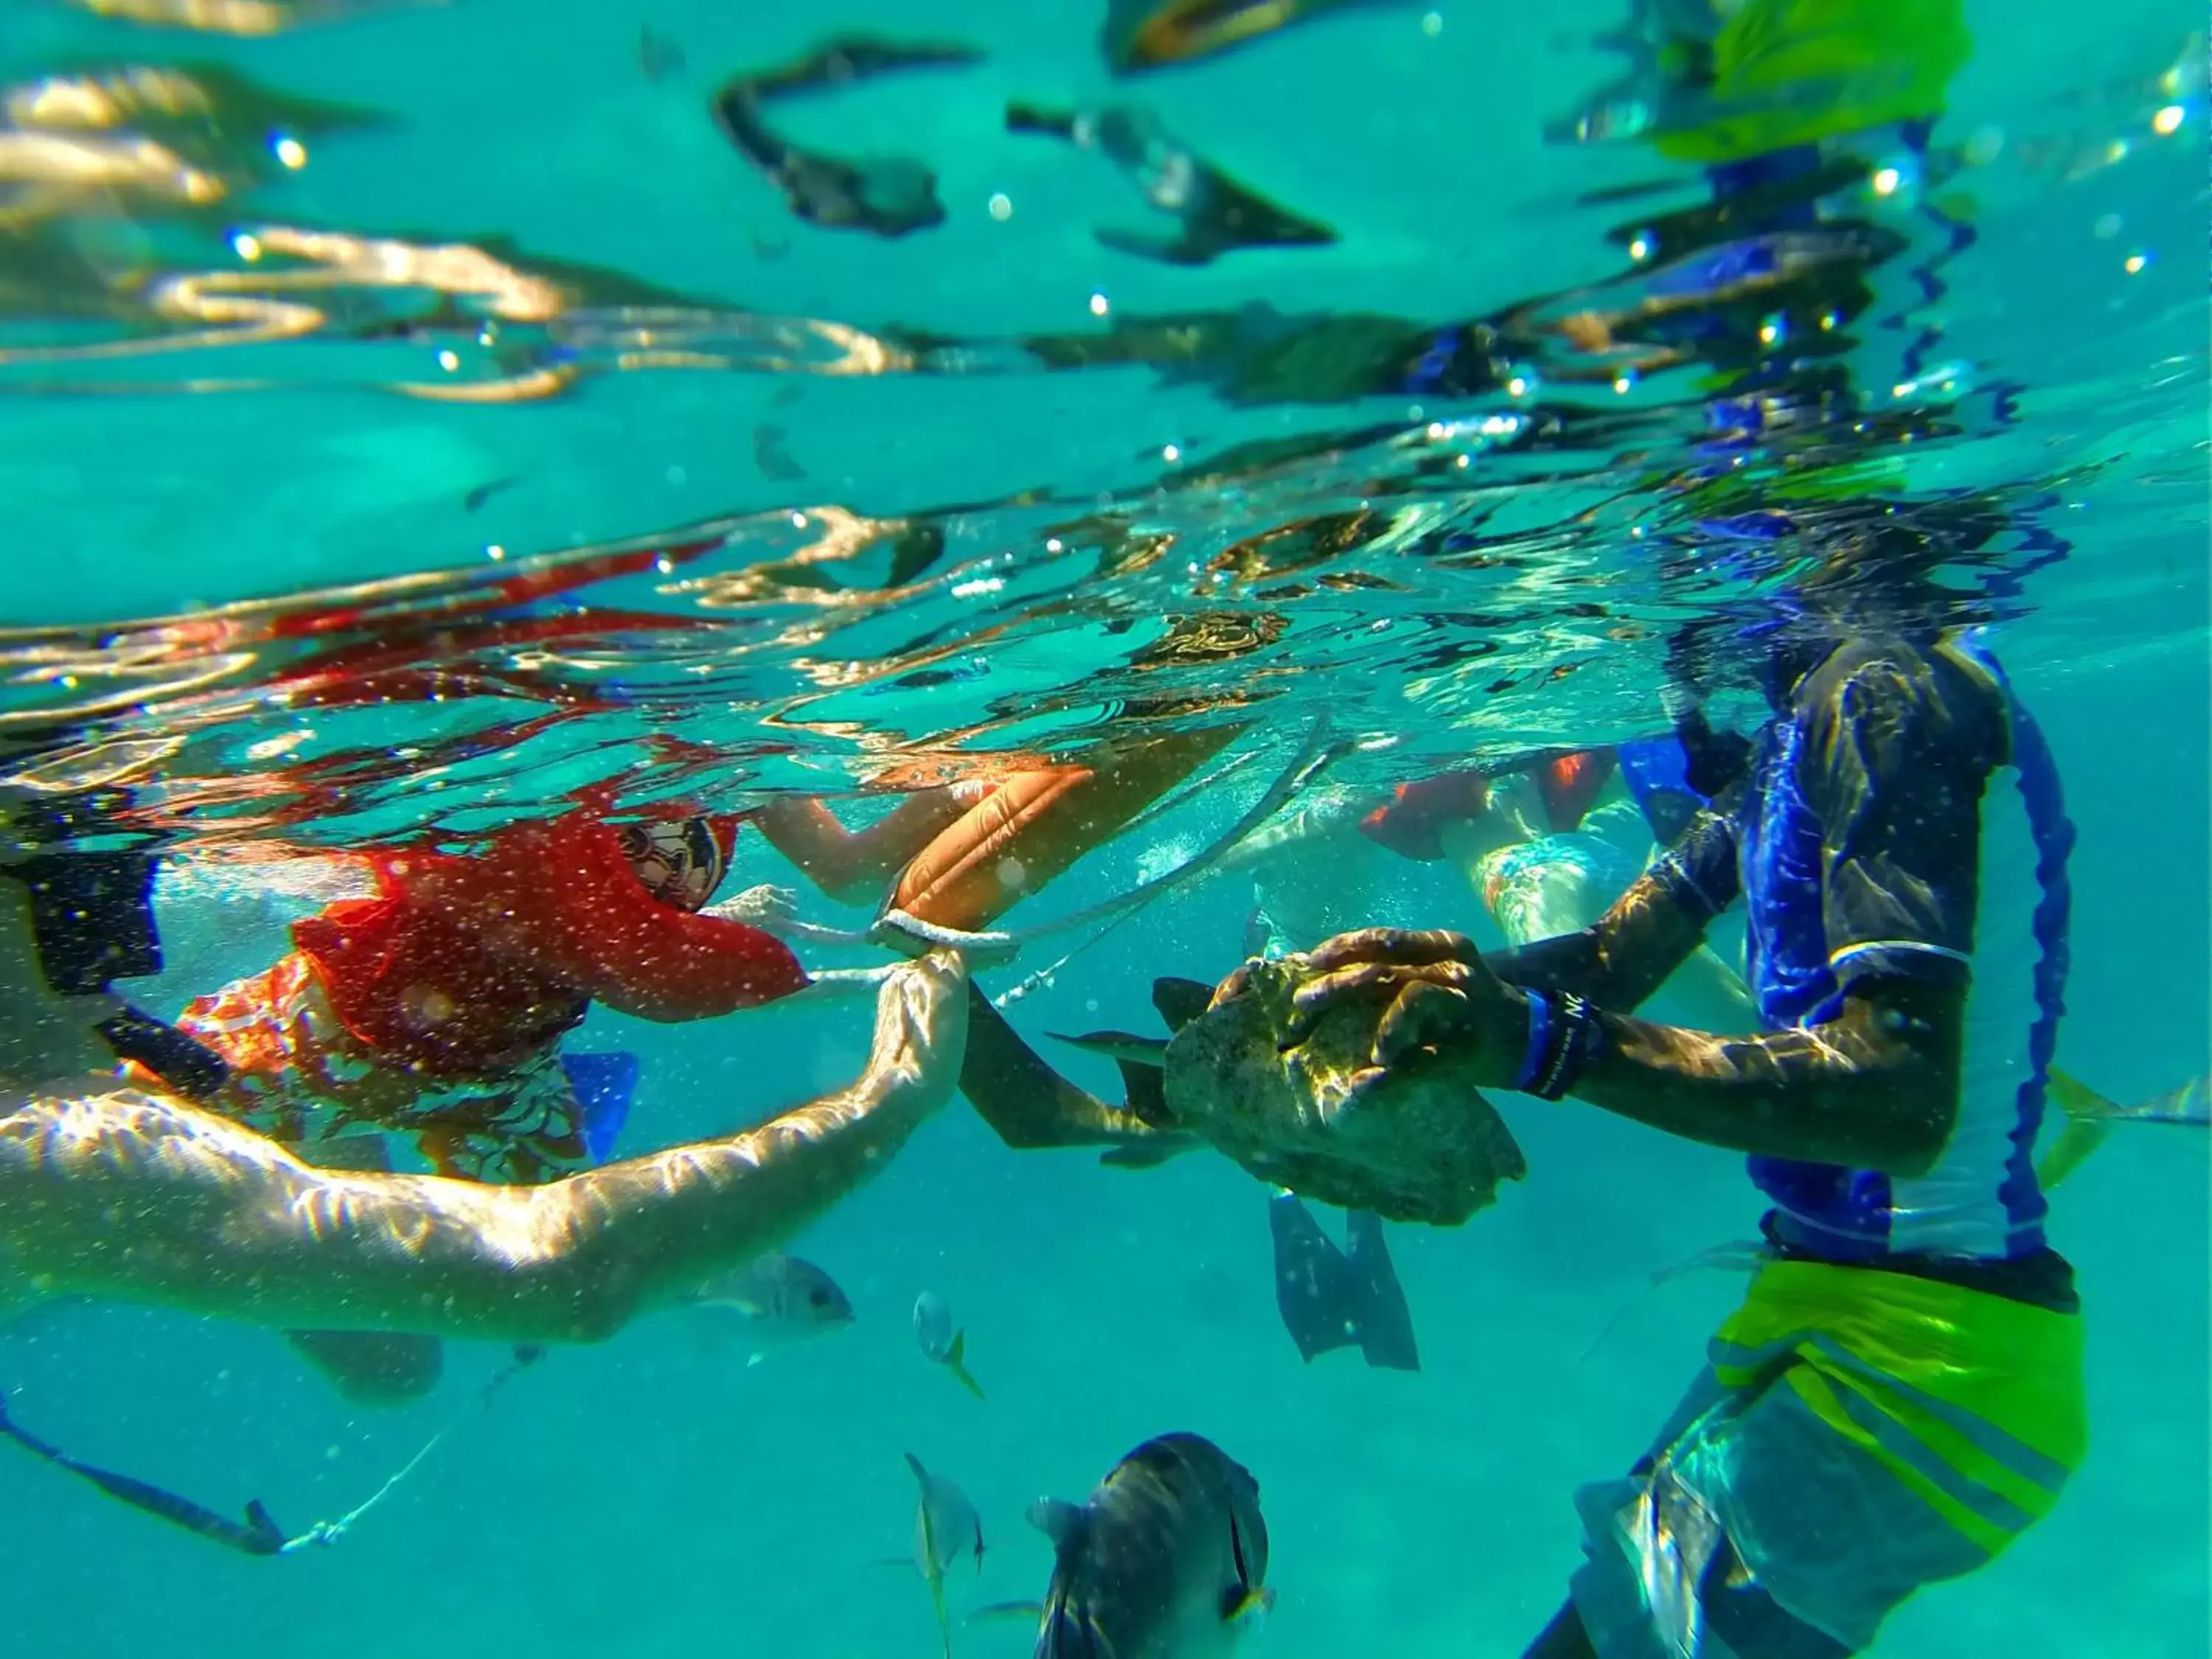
(484, 492)
(658, 56)
(773, 460)
(1217, 213)
(885, 195)
(1168, 1560)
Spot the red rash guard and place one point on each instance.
(1411, 823)
(469, 966)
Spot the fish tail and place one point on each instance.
(2077, 1139)
(956, 1361)
(1063, 1634)
(2089, 1118)
(936, 1601)
(2186, 1105)
(2077, 1099)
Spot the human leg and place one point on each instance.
(1859, 1434)
(1036, 824)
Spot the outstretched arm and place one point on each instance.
(1618, 961)
(221, 1221)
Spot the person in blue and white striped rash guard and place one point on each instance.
(1901, 1395)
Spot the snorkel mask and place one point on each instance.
(681, 861)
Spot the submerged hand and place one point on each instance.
(769, 907)
(926, 1002)
(1439, 1000)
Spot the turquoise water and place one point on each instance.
(657, 1495)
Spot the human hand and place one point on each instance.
(766, 907)
(924, 1010)
(1437, 998)
(1376, 946)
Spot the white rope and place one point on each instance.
(324, 1534)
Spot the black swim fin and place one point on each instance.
(1330, 1299)
(1386, 1323)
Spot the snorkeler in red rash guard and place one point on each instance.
(1547, 799)
(436, 1007)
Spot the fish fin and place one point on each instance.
(2077, 1139)
(937, 1603)
(1149, 1153)
(1179, 1001)
(2190, 1104)
(1116, 1045)
(1236, 1600)
(1056, 1518)
(755, 1360)
(2077, 1099)
(1005, 1610)
(1386, 1323)
(1316, 1291)
(921, 1474)
(1144, 1091)
(956, 1361)
(1250, 1606)
(1063, 1634)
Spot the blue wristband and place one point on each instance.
(1536, 1058)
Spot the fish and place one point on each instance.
(484, 492)
(946, 1527)
(940, 1344)
(2090, 1117)
(658, 57)
(772, 458)
(782, 1299)
(1143, 36)
(1167, 1560)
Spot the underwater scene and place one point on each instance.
(1107, 829)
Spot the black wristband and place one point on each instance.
(1562, 1046)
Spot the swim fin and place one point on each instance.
(603, 1084)
(1330, 1298)
(1386, 1323)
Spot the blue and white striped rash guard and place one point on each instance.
(1903, 818)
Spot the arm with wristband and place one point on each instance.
(1893, 771)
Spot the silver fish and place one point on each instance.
(946, 1527)
(1168, 1560)
(782, 1299)
(940, 1344)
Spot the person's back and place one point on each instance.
(1924, 747)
